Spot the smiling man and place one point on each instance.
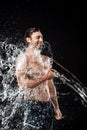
(35, 78)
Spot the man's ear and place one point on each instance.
(28, 39)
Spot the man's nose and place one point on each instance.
(41, 39)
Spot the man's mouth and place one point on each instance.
(39, 47)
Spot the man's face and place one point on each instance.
(36, 40)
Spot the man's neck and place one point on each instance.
(34, 52)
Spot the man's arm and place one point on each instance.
(25, 81)
(53, 94)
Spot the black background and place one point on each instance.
(63, 25)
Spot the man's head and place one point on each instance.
(34, 37)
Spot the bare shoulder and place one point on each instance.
(21, 57)
(21, 60)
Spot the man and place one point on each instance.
(35, 78)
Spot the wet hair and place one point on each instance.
(29, 32)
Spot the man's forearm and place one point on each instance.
(55, 102)
(53, 94)
(32, 83)
(36, 82)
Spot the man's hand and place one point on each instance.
(49, 75)
(58, 114)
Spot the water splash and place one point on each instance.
(72, 81)
(10, 96)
